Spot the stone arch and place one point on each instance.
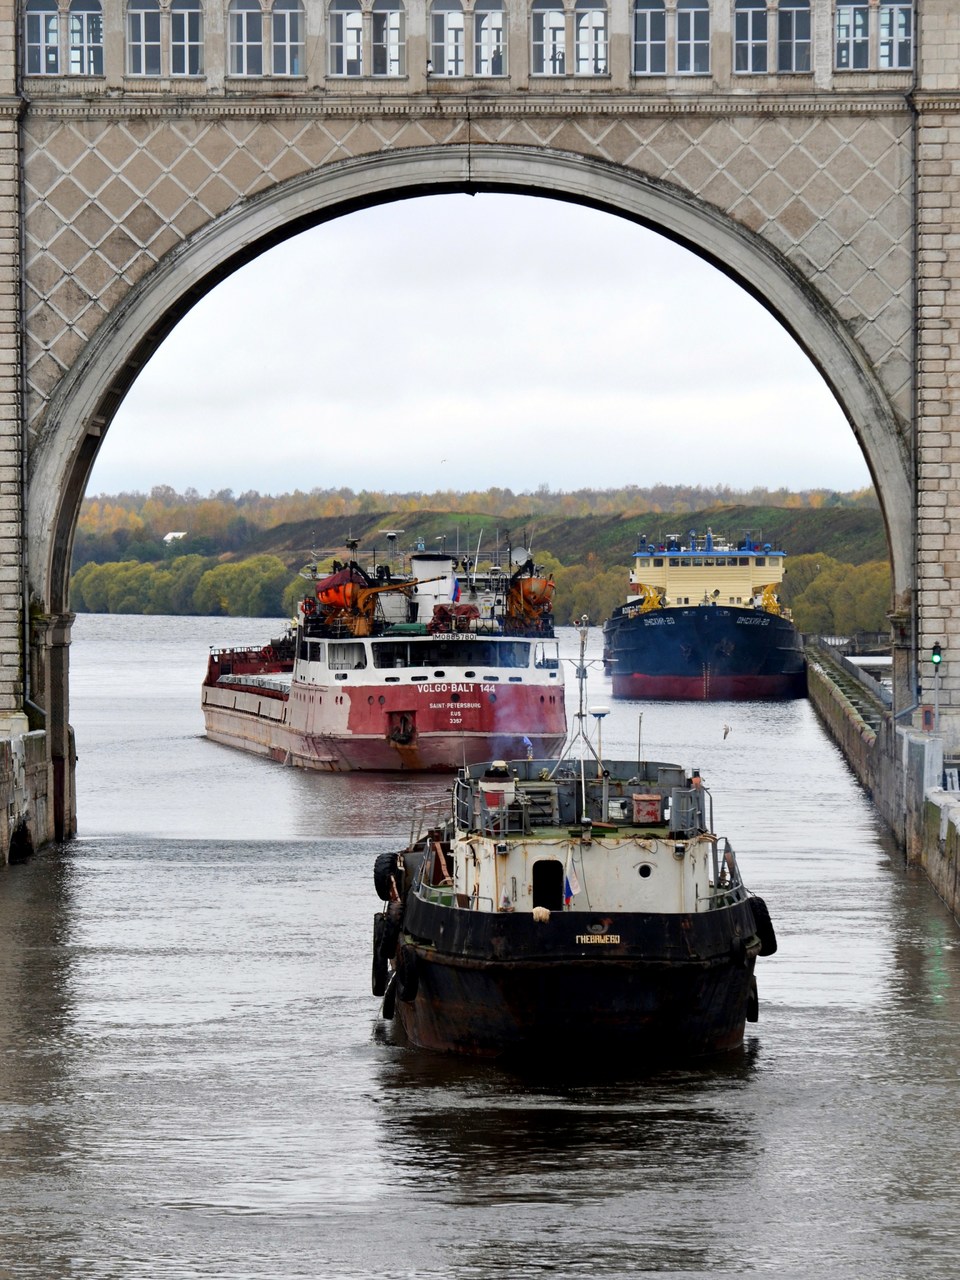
(91, 392)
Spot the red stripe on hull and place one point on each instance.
(441, 753)
(707, 688)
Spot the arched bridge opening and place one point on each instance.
(88, 396)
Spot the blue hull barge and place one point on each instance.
(703, 622)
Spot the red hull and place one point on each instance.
(707, 688)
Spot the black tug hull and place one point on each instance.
(647, 986)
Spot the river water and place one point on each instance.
(194, 1081)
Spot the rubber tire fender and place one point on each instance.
(384, 867)
(764, 927)
(753, 1001)
(380, 973)
(408, 977)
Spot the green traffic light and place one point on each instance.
(936, 655)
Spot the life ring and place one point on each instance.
(309, 605)
(267, 653)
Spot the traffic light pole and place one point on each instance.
(936, 656)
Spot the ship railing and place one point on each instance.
(727, 885)
(446, 896)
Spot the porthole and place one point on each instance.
(645, 870)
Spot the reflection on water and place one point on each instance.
(195, 1082)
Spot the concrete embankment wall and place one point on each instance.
(26, 788)
(902, 771)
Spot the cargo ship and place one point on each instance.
(703, 621)
(438, 665)
(566, 907)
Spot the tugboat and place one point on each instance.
(703, 621)
(428, 669)
(570, 905)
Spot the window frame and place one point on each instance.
(389, 51)
(486, 51)
(144, 39)
(186, 38)
(591, 40)
(693, 38)
(652, 40)
(548, 39)
(889, 39)
(245, 39)
(41, 37)
(750, 30)
(851, 36)
(793, 47)
(448, 39)
(345, 40)
(85, 38)
(288, 42)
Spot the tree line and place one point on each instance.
(133, 526)
(826, 596)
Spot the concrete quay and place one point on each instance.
(900, 767)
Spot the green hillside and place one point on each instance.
(850, 534)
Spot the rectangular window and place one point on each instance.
(346, 42)
(186, 44)
(388, 43)
(86, 43)
(750, 41)
(793, 37)
(649, 42)
(488, 45)
(591, 32)
(143, 44)
(693, 42)
(246, 43)
(549, 42)
(896, 37)
(447, 42)
(287, 42)
(43, 44)
(853, 39)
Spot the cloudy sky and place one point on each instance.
(462, 342)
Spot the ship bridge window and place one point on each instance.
(546, 657)
(446, 654)
(761, 561)
(347, 657)
(311, 651)
(658, 562)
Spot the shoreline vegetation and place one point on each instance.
(171, 553)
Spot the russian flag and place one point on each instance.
(456, 590)
(571, 885)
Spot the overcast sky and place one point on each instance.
(462, 342)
